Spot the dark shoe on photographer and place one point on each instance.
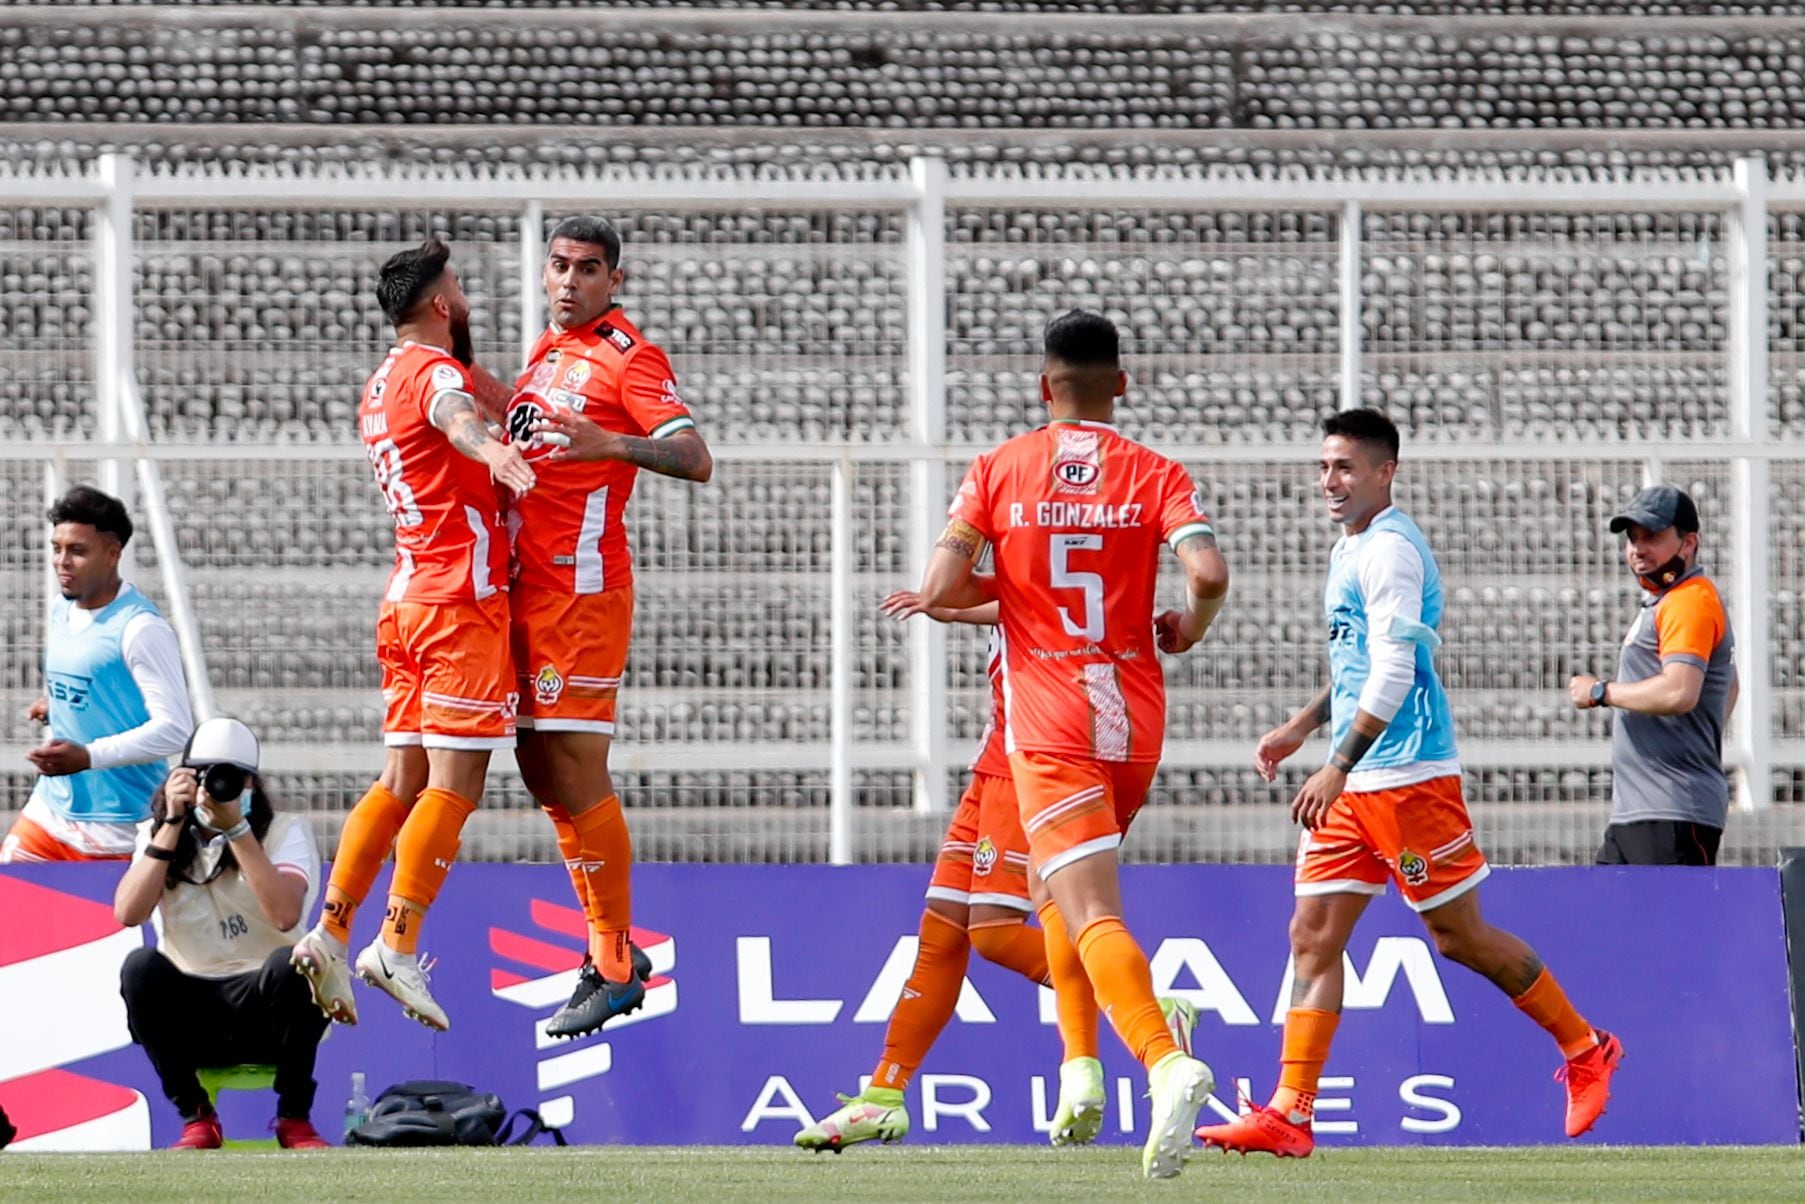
(201, 1133)
(298, 1133)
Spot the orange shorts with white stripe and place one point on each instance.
(569, 653)
(447, 680)
(984, 858)
(1420, 835)
(1073, 807)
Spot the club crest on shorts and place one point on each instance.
(984, 857)
(548, 686)
(1413, 868)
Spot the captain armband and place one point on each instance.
(962, 538)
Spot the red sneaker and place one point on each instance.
(1588, 1079)
(1261, 1131)
(298, 1133)
(201, 1133)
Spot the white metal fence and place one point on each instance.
(1548, 348)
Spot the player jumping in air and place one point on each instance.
(441, 636)
(596, 403)
(1076, 513)
(1388, 803)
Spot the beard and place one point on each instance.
(461, 349)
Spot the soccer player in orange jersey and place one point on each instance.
(1076, 513)
(979, 898)
(442, 634)
(1388, 803)
(597, 402)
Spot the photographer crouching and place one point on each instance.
(230, 883)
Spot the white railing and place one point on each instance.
(925, 197)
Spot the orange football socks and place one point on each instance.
(424, 851)
(363, 846)
(604, 860)
(570, 848)
(1014, 946)
(927, 1002)
(1308, 1034)
(1118, 972)
(1074, 999)
(1546, 1004)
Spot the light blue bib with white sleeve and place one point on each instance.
(92, 694)
(1423, 728)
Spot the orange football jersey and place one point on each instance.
(570, 532)
(450, 544)
(1076, 514)
(992, 758)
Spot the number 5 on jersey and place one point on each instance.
(1060, 546)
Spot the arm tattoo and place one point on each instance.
(1362, 734)
(671, 457)
(1201, 540)
(961, 538)
(455, 414)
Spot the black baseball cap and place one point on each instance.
(1657, 508)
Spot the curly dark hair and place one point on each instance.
(409, 275)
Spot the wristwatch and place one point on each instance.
(1598, 692)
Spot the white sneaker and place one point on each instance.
(402, 976)
(1178, 1085)
(1079, 1117)
(320, 959)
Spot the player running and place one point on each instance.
(1076, 513)
(979, 898)
(1388, 803)
(596, 403)
(441, 636)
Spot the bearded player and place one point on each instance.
(1388, 803)
(596, 403)
(441, 636)
(1077, 514)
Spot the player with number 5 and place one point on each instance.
(1077, 513)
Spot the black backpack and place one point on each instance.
(428, 1112)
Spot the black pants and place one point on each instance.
(1659, 842)
(187, 1023)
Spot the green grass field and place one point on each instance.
(920, 1172)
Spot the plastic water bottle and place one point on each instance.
(357, 1108)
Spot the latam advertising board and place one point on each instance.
(773, 984)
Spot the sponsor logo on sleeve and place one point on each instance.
(446, 377)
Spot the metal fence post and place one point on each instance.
(532, 255)
(928, 669)
(1751, 726)
(113, 319)
(842, 633)
(1350, 304)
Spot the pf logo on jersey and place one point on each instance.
(984, 857)
(1079, 476)
(1412, 868)
(1078, 463)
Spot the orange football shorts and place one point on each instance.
(1073, 807)
(569, 653)
(984, 858)
(447, 680)
(1420, 835)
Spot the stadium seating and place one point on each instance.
(1578, 329)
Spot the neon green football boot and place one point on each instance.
(875, 1114)
(1079, 1117)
